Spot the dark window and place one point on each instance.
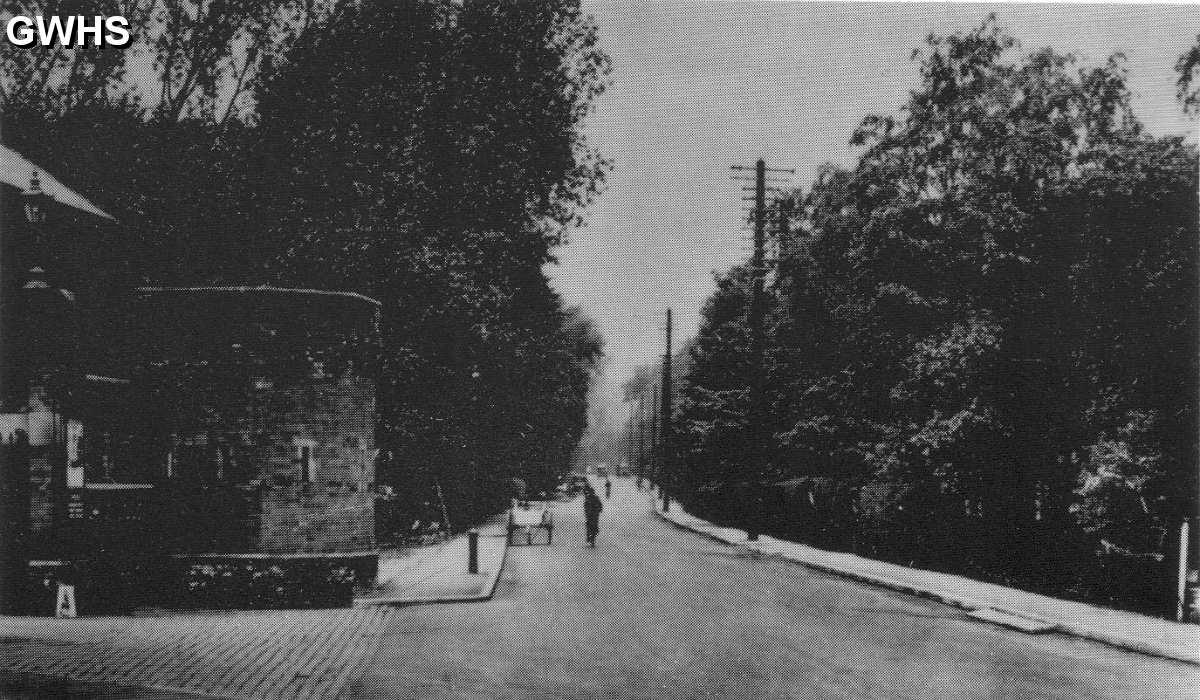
(307, 466)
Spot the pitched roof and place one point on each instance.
(16, 170)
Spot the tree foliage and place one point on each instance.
(988, 325)
(438, 177)
(1188, 68)
(426, 153)
(188, 59)
(156, 134)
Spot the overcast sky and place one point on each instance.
(699, 86)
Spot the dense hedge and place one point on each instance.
(114, 587)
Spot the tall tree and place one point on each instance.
(188, 59)
(715, 406)
(155, 134)
(999, 200)
(438, 177)
(987, 327)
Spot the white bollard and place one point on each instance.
(64, 606)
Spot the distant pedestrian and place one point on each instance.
(591, 511)
(607, 489)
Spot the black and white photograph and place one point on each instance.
(653, 349)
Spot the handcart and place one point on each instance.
(528, 516)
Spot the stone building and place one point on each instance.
(210, 425)
(199, 425)
(245, 415)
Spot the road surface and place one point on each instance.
(657, 612)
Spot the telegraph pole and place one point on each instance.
(655, 467)
(664, 442)
(630, 460)
(756, 435)
(757, 302)
(757, 335)
(642, 436)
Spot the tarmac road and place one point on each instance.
(657, 612)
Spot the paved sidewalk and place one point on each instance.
(438, 573)
(1126, 630)
(243, 654)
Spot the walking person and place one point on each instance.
(591, 511)
(607, 489)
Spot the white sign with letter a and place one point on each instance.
(65, 607)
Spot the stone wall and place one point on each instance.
(259, 505)
(337, 415)
(332, 419)
(316, 518)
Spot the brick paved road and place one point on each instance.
(269, 654)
